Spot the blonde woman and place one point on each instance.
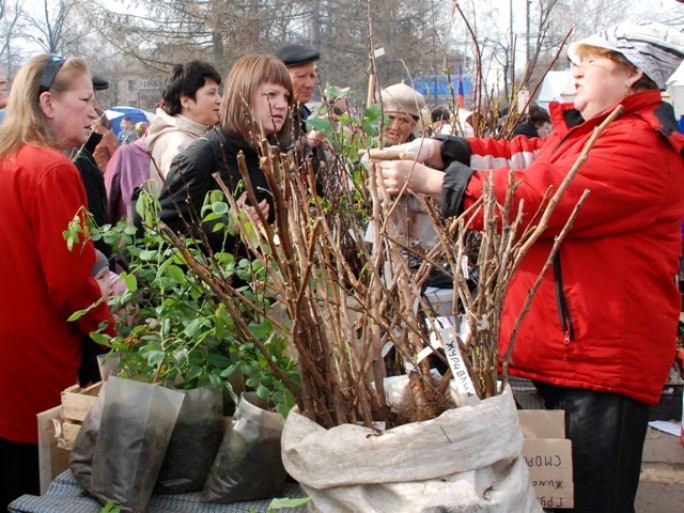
(50, 111)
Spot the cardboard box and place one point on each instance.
(52, 459)
(548, 455)
(76, 403)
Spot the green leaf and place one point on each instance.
(194, 372)
(219, 361)
(320, 124)
(219, 326)
(111, 507)
(332, 91)
(154, 358)
(100, 338)
(176, 274)
(215, 381)
(80, 313)
(148, 254)
(180, 356)
(215, 195)
(228, 371)
(195, 358)
(262, 392)
(219, 207)
(193, 328)
(288, 503)
(261, 331)
(211, 217)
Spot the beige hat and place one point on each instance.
(402, 98)
(653, 47)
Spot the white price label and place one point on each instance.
(464, 385)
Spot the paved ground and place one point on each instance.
(661, 489)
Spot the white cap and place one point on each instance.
(653, 47)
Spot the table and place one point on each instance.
(65, 495)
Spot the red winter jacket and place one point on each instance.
(42, 284)
(605, 316)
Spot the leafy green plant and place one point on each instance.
(183, 333)
(349, 132)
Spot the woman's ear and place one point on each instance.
(185, 102)
(634, 77)
(46, 104)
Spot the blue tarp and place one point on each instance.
(136, 115)
(426, 85)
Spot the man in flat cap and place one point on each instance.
(402, 105)
(300, 61)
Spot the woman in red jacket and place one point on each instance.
(42, 283)
(599, 338)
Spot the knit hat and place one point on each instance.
(653, 47)
(402, 98)
(100, 262)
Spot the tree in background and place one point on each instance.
(420, 37)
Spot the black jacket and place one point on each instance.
(303, 152)
(93, 181)
(190, 179)
(525, 129)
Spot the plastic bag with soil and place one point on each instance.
(194, 442)
(248, 465)
(81, 457)
(137, 422)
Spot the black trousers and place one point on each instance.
(607, 432)
(18, 471)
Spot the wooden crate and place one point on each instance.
(76, 403)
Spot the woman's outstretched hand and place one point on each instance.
(420, 149)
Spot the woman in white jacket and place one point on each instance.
(190, 107)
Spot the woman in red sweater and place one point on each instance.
(50, 110)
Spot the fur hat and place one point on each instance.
(402, 98)
(296, 55)
(653, 47)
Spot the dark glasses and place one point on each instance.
(54, 63)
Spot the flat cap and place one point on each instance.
(295, 55)
(99, 83)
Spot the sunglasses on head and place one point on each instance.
(54, 63)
